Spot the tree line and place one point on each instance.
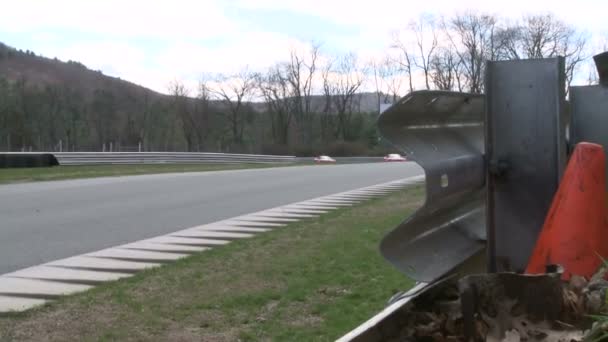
(310, 103)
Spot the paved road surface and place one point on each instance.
(41, 222)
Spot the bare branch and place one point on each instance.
(277, 90)
(426, 49)
(445, 69)
(300, 73)
(234, 92)
(342, 82)
(405, 60)
(472, 37)
(545, 36)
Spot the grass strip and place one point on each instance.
(313, 280)
(18, 175)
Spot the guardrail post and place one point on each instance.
(589, 107)
(525, 152)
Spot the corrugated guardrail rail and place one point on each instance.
(443, 132)
(29, 159)
(97, 158)
(345, 160)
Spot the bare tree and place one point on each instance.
(142, 133)
(73, 115)
(393, 77)
(300, 73)
(416, 48)
(377, 71)
(179, 104)
(445, 70)
(103, 113)
(426, 41)
(277, 92)
(343, 82)
(193, 114)
(201, 112)
(507, 39)
(405, 59)
(387, 79)
(545, 36)
(327, 115)
(234, 92)
(472, 37)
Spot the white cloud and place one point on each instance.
(384, 15)
(253, 50)
(129, 18)
(155, 42)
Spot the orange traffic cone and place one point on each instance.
(576, 230)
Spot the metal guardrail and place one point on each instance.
(25, 159)
(589, 108)
(126, 158)
(345, 160)
(443, 132)
(113, 158)
(358, 160)
(97, 158)
(492, 165)
(485, 158)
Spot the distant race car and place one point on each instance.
(324, 159)
(394, 157)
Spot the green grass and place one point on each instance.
(310, 281)
(71, 172)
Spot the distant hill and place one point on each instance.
(41, 71)
(48, 104)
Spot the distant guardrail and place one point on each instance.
(115, 158)
(345, 160)
(19, 159)
(358, 160)
(97, 158)
(33, 159)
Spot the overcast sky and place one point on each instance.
(154, 42)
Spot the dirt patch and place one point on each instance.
(62, 323)
(178, 332)
(267, 310)
(506, 307)
(306, 321)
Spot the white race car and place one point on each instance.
(394, 157)
(324, 159)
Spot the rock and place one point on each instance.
(594, 300)
(577, 284)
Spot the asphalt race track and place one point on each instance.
(41, 222)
